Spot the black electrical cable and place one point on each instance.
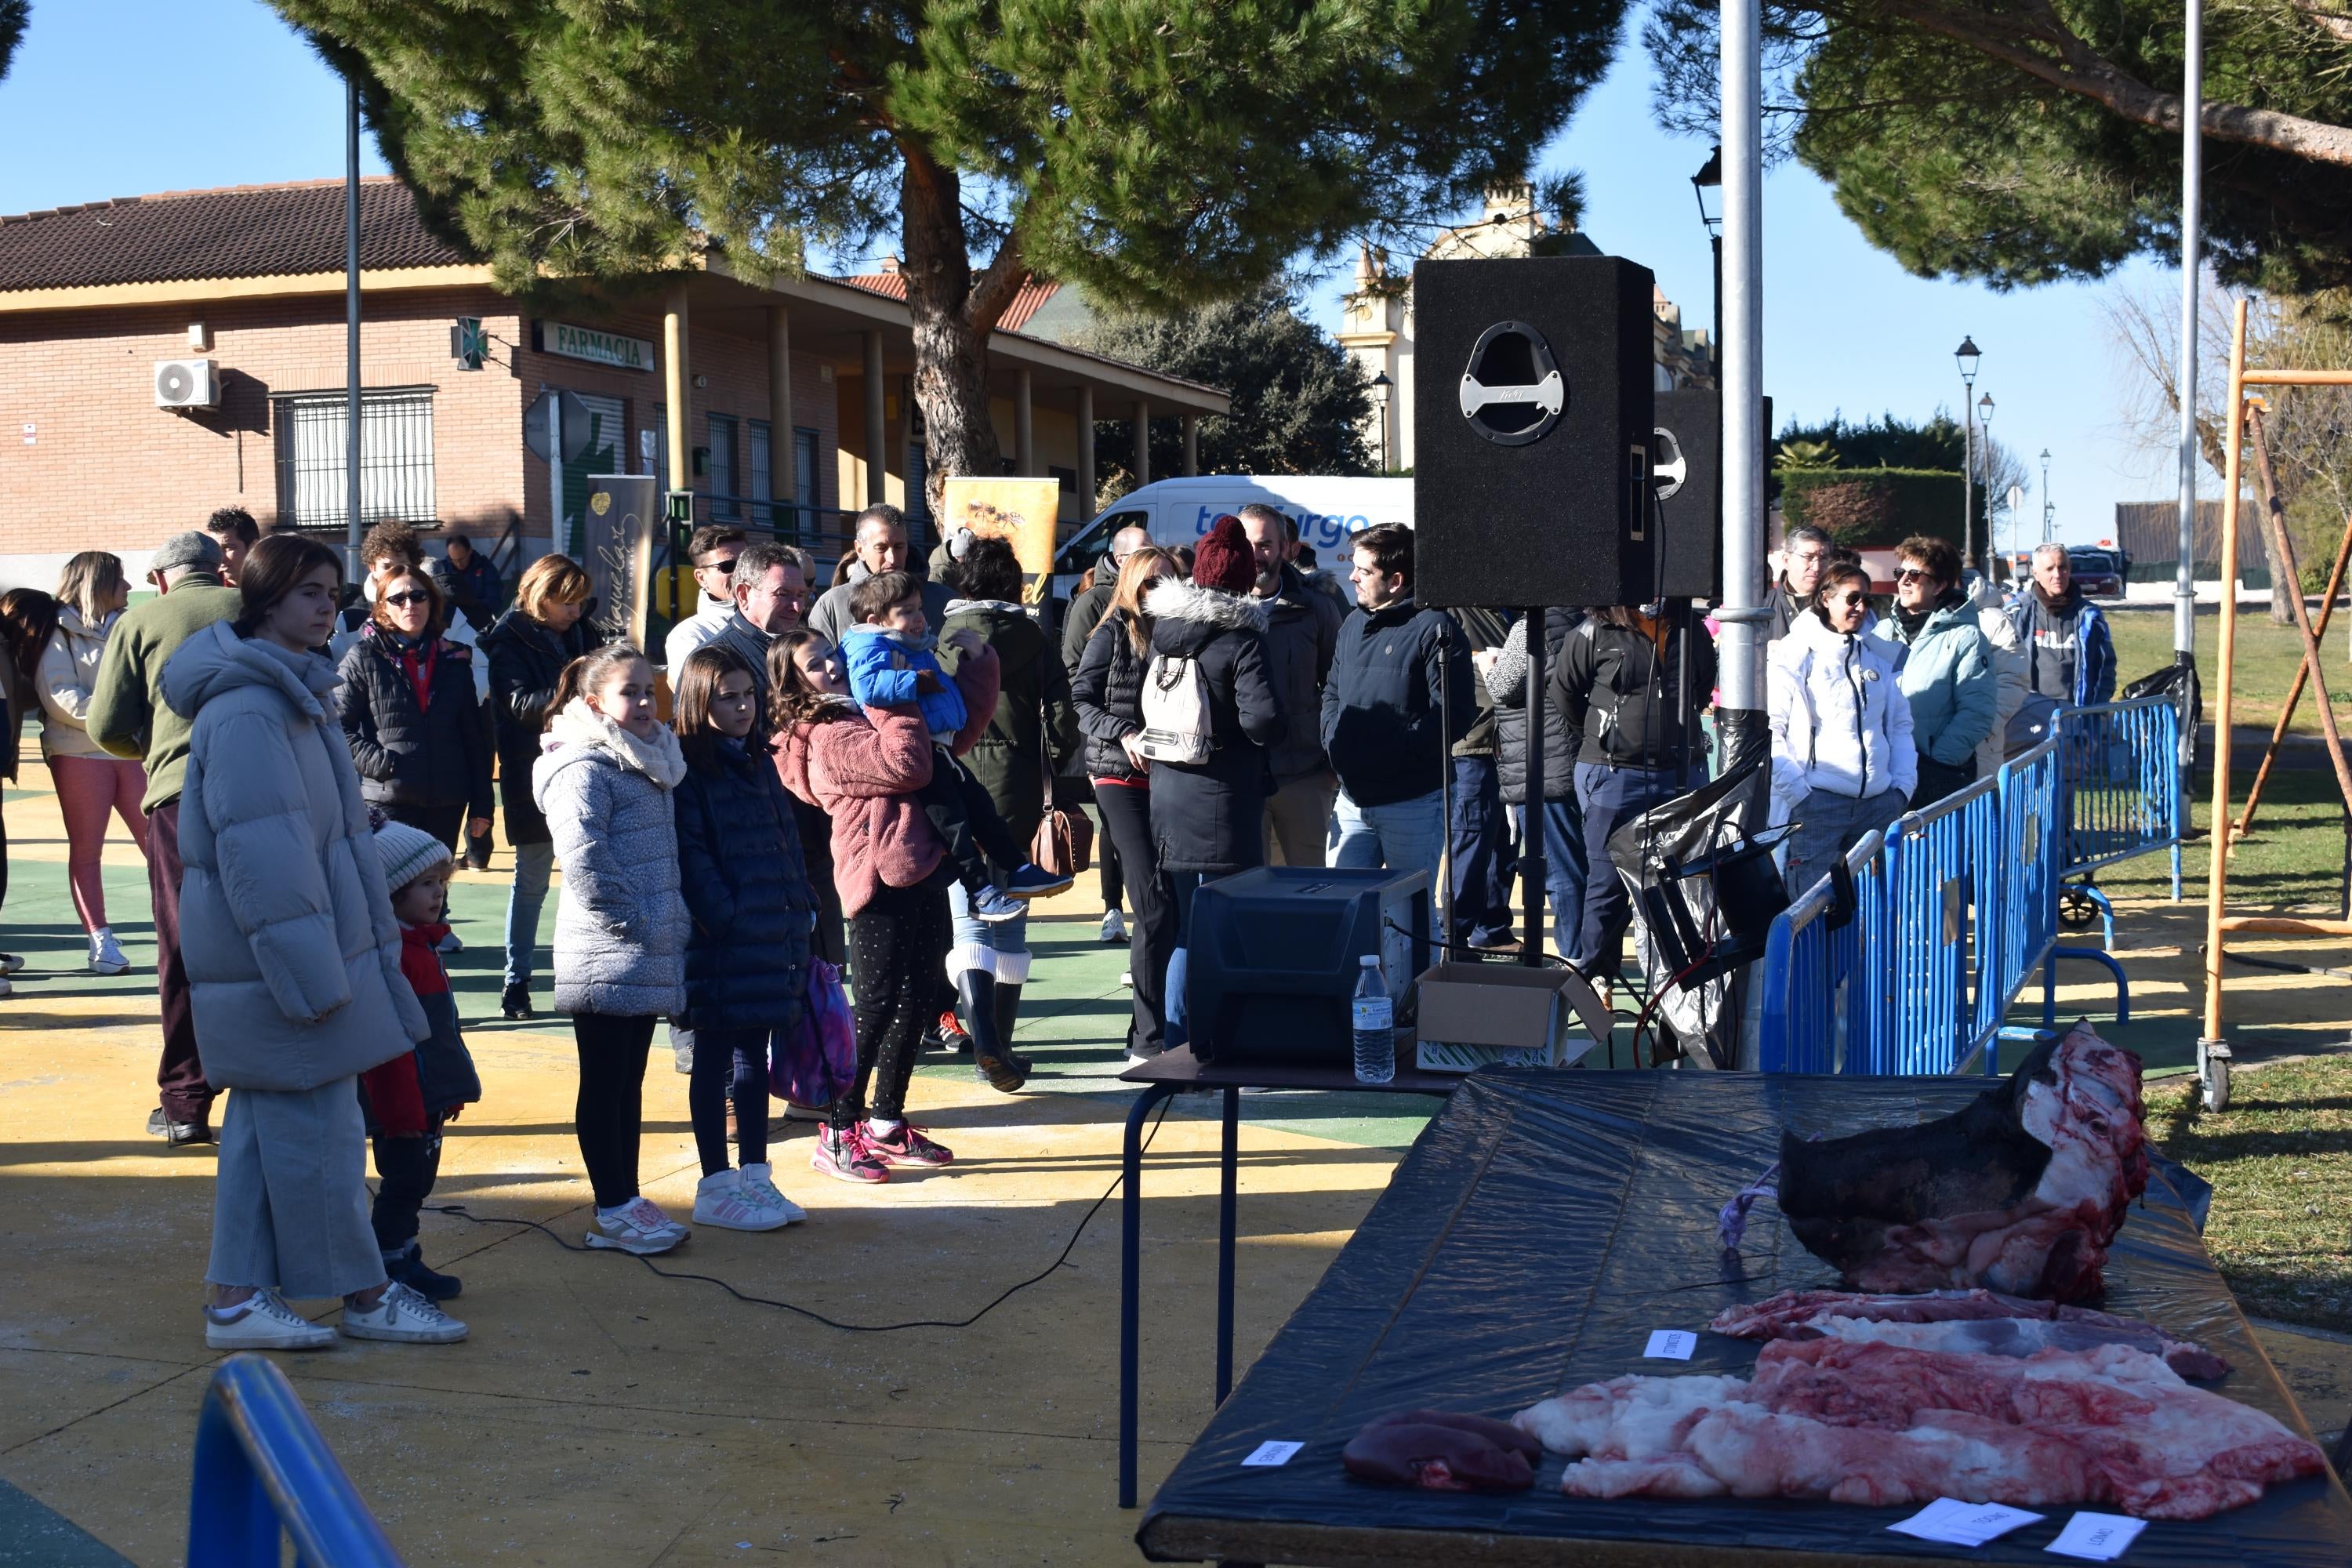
(461, 1212)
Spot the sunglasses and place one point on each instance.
(1850, 599)
(1909, 574)
(406, 598)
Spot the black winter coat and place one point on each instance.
(1108, 691)
(1381, 707)
(740, 868)
(1613, 685)
(1302, 635)
(1035, 723)
(1212, 816)
(436, 755)
(1079, 619)
(1559, 742)
(526, 661)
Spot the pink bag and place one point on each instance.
(814, 1062)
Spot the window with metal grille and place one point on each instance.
(762, 466)
(725, 498)
(396, 457)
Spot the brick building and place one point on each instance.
(795, 396)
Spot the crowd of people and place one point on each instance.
(850, 789)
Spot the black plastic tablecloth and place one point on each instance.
(1542, 1225)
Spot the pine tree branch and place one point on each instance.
(993, 292)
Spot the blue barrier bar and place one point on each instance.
(2122, 781)
(1825, 998)
(263, 1474)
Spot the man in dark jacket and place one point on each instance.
(880, 542)
(1086, 611)
(1618, 683)
(2070, 654)
(769, 593)
(1382, 715)
(1804, 551)
(1208, 817)
(473, 583)
(1504, 672)
(1302, 632)
(1477, 836)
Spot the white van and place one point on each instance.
(1179, 511)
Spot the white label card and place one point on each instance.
(1958, 1523)
(2096, 1537)
(1670, 1345)
(1272, 1453)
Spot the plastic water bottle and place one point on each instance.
(1375, 1017)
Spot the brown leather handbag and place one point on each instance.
(1064, 844)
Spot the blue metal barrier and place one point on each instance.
(1826, 992)
(1936, 856)
(2121, 776)
(263, 1474)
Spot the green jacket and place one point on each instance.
(126, 715)
(1033, 712)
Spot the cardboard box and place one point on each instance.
(1507, 1014)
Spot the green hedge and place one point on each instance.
(1867, 508)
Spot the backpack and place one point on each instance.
(1176, 727)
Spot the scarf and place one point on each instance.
(656, 756)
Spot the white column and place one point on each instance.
(1024, 424)
(1143, 442)
(1742, 644)
(878, 456)
(2192, 181)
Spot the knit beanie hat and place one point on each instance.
(407, 853)
(1223, 560)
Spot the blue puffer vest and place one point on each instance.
(741, 869)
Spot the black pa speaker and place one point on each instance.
(1533, 421)
(1689, 475)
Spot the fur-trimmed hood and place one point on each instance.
(1189, 602)
(578, 732)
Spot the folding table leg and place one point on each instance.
(1225, 1227)
(1131, 1270)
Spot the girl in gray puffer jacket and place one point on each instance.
(605, 771)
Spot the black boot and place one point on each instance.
(515, 1000)
(409, 1270)
(1008, 1017)
(977, 989)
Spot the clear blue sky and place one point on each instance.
(116, 97)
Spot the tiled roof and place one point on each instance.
(1025, 304)
(243, 231)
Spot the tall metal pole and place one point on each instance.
(351, 331)
(1969, 475)
(1742, 642)
(2192, 195)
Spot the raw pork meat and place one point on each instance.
(1441, 1451)
(2020, 1192)
(1885, 1426)
(1957, 1321)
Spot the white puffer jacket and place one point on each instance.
(621, 928)
(285, 922)
(68, 674)
(1840, 722)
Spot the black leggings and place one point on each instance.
(610, 1107)
(725, 1057)
(405, 1168)
(898, 947)
(1127, 828)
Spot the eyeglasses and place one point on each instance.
(406, 598)
(1850, 600)
(727, 565)
(1804, 556)
(1908, 573)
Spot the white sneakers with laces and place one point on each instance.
(742, 1200)
(263, 1321)
(404, 1317)
(1114, 928)
(760, 1186)
(106, 953)
(638, 1226)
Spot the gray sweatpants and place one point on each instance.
(290, 1200)
(1829, 825)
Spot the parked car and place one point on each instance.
(2099, 573)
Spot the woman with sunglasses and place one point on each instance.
(1108, 691)
(1842, 760)
(1946, 669)
(415, 724)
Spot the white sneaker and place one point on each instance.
(641, 1228)
(263, 1321)
(105, 953)
(760, 1186)
(720, 1200)
(1127, 977)
(451, 943)
(403, 1316)
(1114, 928)
(11, 962)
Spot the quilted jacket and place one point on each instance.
(620, 931)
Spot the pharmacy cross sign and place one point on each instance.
(1512, 391)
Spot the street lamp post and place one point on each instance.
(1966, 356)
(1382, 388)
(1708, 182)
(1984, 419)
(2048, 511)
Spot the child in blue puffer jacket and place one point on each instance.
(891, 662)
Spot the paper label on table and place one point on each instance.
(1670, 1345)
(1958, 1523)
(2098, 1537)
(1272, 1453)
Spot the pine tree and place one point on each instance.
(1160, 152)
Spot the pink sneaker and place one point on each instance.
(845, 1157)
(906, 1145)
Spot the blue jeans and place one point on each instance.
(533, 865)
(1001, 949)
(1405, 835)
(1564, 869)
(1608, 795)
(1181, 887)
(1480, 840)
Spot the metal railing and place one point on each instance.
(264, 1475)
(1826, 975)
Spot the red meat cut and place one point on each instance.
(1880, 1425)
(1443, 1451)
(1942, 1319)
(2020, 1192)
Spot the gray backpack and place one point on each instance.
(1176, 725)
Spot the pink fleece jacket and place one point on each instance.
(860, 767)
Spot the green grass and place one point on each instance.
(2279, 1160)
(2294, 857)
(2266, 660)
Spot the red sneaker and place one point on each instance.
(845, 1157)
(906, 1145)
(950, 1035)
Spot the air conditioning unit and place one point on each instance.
(186, 384)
